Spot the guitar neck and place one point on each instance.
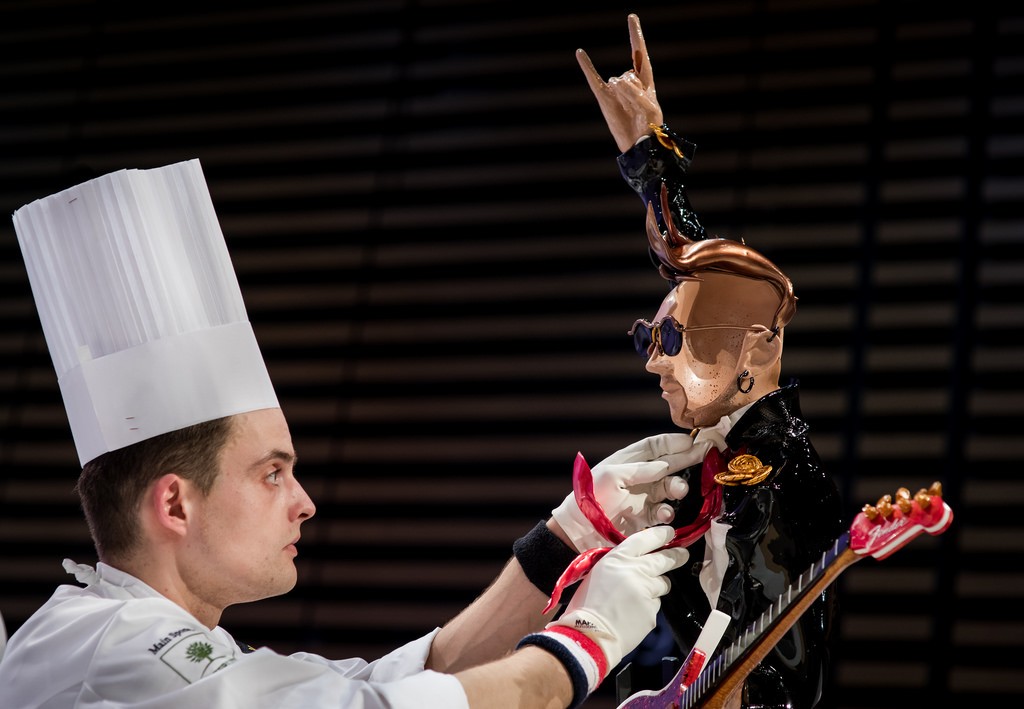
(877, 531)
(725, 674)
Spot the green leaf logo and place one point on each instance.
(197, 652)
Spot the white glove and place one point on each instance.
(614, 608)
(632, 486)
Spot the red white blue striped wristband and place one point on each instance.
(582, 657)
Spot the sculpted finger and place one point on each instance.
(641, 60)
(594, 79)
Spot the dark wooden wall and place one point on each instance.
(440, 261)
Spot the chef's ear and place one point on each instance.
(169, 503)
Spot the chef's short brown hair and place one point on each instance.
(111, 486)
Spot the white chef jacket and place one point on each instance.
(117, 643)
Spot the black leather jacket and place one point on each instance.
(778, 528)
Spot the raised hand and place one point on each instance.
(628, 102)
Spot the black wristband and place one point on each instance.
(543, 557)
(577, 675)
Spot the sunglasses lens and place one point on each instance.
(671, 339)
(642, 339)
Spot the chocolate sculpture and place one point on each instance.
(716, 345)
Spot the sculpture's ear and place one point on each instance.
(762, 350)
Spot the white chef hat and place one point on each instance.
(140, 307)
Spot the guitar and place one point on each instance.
(877, 531)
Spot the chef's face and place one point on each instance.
(249, 522)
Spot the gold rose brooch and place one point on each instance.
(744, 470)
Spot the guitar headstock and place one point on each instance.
(882, 528)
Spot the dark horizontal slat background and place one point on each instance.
(440, 261)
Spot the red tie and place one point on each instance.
(714, 463)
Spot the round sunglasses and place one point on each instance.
(667, 336)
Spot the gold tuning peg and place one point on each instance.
(903, 500)
(935, 489)
(870, 511)
(923, 499)
(885, 506)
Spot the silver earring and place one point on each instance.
(739, 382)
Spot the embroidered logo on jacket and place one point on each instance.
(193, 655)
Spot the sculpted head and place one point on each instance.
(716, 340)
(712, 346)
